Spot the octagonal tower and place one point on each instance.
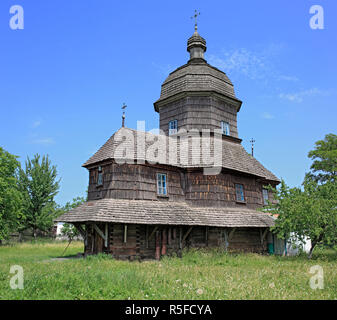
(198, 96)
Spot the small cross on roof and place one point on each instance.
(195, 16)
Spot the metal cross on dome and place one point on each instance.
(123, 116)
(195, 16)
(252, 141)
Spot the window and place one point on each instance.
(239, 193)
(225, 128)
(265, 196)
(161, 184)
(173, 127)
(100, 177)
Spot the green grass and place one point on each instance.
(198, 275)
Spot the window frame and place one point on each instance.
(161, 188)
(99, 181)
(242, 193)
(225, 125)
(265, 192)
(173, 130)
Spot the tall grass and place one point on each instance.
(199, 274)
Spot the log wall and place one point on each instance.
(142, 240)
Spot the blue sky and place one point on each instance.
(64, 77)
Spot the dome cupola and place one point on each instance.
(196, 45)
(198, 95)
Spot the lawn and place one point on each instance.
(198, 275)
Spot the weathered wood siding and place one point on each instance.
(141, 240)
(199, 113)
(134, 182)
(139, 182)
(219, 190)
(124, 250)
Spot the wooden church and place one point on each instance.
(191, 185)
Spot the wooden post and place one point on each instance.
(169, 236)
(180, 237)
(106, 235)
(153, 232)
(125, 233)
(157, 245)
(92, 238)
(101, 234)
(187, 233)
(85, 237)
(231, 234)
(147, 236)
(206, 236)
(164, 242)
(263, 235)
(226, 239)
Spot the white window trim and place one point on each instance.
(225, 128)
(173, 130)
(265, 192)
(160, 174)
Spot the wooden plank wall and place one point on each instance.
(138, 182)
(247, 240)
(135, 182)
(199, 113)
(124, 250)
(243, 239)
(138, 247)
(219, 190)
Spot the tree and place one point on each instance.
(308, 213)
(10, 197)
(38, 186)
(69, 230)
(71, 205)
(324, 166)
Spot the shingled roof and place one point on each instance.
(197, 77)
(233, 155)
(164, 213)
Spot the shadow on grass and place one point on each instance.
(69, 257)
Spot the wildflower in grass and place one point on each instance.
(272, 285)
(200, 291)
(185, 285)
(178, 280)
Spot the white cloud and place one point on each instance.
(301, 95)
(255, 65)
(267, 115)
(36, 124)
(242, 61)
(43, 141)
(288, 78)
